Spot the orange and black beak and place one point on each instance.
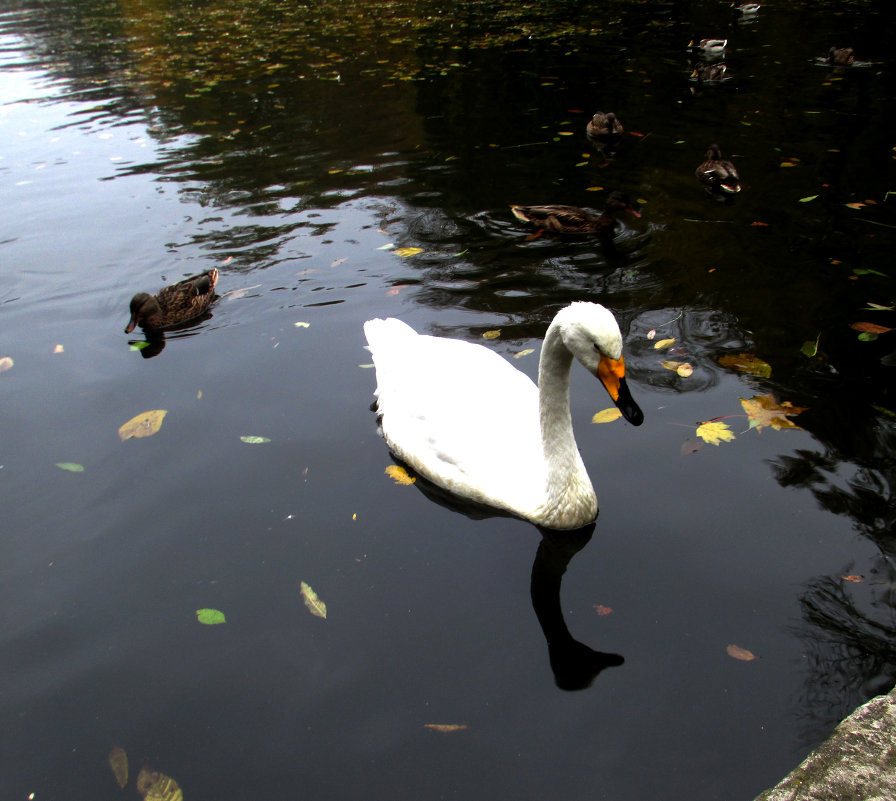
(611, 372)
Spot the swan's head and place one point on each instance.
(592, 335)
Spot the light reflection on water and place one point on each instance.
(115, 182)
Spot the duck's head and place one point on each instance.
(143, 306)
(619, 201)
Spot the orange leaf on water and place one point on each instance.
(870, 328)
(764, 410)
(736, 652)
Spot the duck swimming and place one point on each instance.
(604, 125)
(712, 48)
(173, 304)
(745, 9)
(470, 422)
(717, 174)
(840, 56)
(575, 220)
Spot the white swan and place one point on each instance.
(466, 419)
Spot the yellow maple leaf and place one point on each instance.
(764, 410)
(399, 475)
(715, 432)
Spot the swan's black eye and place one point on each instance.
(595, 346)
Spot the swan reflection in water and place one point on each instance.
(574, 664)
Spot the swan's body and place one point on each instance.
(466, 419)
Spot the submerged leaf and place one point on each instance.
(118, 761)
(143, 425)
(72, 467)
(445, 728)
(736, 652)
(764, 410)
(155, 786)
(715, 432)
(399, 475)
(747, 363)
(607, 415)
(315, 605)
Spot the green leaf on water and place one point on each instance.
(808, 199)
(210, 617)
(139, 345)
(72, 467)
(810, 348)
(315, 605)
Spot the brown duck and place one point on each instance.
(604, 125)
(574, 220)
(840, 56)
(173, 304)
(718, 175)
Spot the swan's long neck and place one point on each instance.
(570, 501)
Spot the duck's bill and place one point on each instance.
(611, 372)
(131, 325)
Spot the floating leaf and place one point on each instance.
(399, 475)
(118, 761)
(736, 652)
(747, 363)
(787, 164)
(72, 467)
(302, 324)
(715, 432)
(5, 364)
(855, 205)
(810, 348)
(526, 352)
(808, 199)
(868, 271)
(252, 440)
(139, 345)
(386, 247)
(315, 605)
(870, 328)
(445, 728)
(663, 343)
(143, 425)
(404, 252)
(210, 617)
(594, 188)
(602, 610)
(59, 349)
(684, 369)
(494, 334)
(764, 410)
(651, 333)
(853, 578)
(154, 786)
(607, 415)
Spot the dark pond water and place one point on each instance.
(286, 145)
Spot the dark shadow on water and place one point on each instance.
(154, 341)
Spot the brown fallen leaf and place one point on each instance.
(870, 328)
(746, 363)
(736, 652)
(445, 727)
(602, 610)
(856, 579)
(764, 410)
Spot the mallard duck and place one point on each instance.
(840, 56)
(574, 220)
(718, 175)
(604, 125)
(712, 48)
(708, 73)
(173, 304)
(745, 9)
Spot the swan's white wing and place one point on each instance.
(459, 414)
